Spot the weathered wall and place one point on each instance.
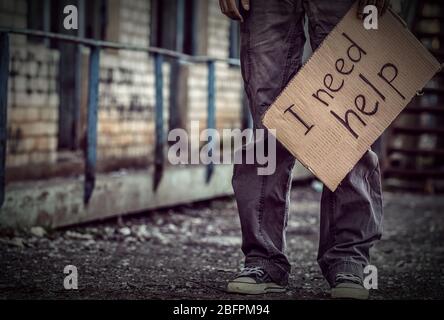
(32, 96)
(126, 92)
(126, 103)
(125, 127)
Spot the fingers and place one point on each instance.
(385, 6)
(380, 5)
(373, 3)
(228, 8)
(223, 6)
(361, 5)
(232, 10)
(245, 4)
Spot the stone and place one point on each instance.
(38, 231)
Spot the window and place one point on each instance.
(35, 14)
(47, 15)
(38, 18)
(173, 25)
(96, 13)
(93, 15)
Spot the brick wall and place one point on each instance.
(126, 103)
(32, 97)
(229, 86)
(33, 106)
(126, 91)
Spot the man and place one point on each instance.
(272, 41)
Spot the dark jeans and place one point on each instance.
(272, 41)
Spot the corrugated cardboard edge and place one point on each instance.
(418, 44)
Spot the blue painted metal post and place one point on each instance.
(159, 152)
(78, 72)
(91, 135)
(4, 75)
(211, 114)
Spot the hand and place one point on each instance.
(382, 6)
(229, 8)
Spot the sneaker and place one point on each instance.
(253, 280)
(348, 286)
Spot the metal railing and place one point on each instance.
(93, 95)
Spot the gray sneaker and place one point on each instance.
(348, 286)
(253, 280)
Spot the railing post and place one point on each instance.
(91, 135)
(4, 75)
(211, 115)
(159, 152)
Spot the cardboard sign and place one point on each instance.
(348, 93)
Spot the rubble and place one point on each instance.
(38, 231)
(125, 231)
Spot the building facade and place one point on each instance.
(47, 97)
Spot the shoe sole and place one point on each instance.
(254, 288)
(349, 293)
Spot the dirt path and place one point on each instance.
(191, 251)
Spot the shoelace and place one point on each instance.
(347, 277)
(248, 271)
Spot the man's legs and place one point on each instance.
(272, 40)
(351, 217)
(351, 220)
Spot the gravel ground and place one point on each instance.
(189, 252)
